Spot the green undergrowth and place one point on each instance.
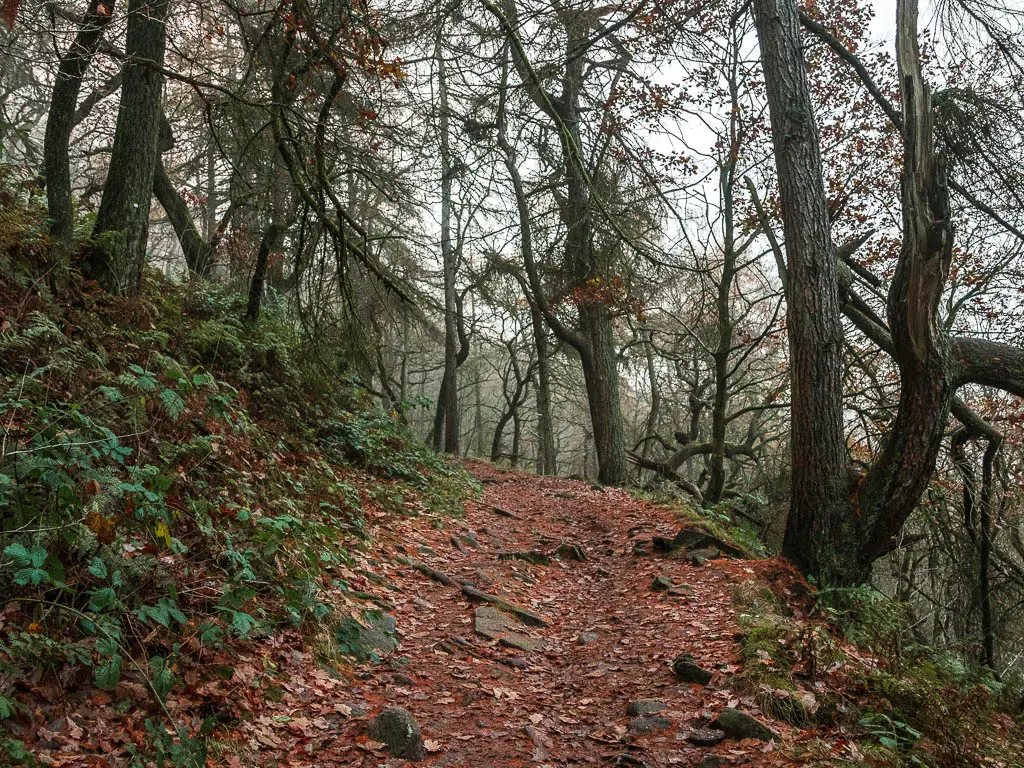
(721, 520)
(174, 481)
(846, 660)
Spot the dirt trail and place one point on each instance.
(480, 703)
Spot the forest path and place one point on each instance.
(480, 703)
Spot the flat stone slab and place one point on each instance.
(644, 707)
(525, 616)
(494, 625)
(740, 725)
(649, 724)
(705, 737)
(688, 671)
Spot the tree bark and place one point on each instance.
(448, 398)
(197, 252)
(118, 256)
(820, 526)
(259, 275)
(594, 338)
(61, 119)
(546, 458)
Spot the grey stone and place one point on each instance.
(740, 725)
(525, 616)
(661, 584)
(697, 538)
(700, 556)
(705, 737)
(628, 761)
(495, 625)
(567, 551)
(367, 639)
(534, 556)
(399, 732)
(644, 707)
(688, 671)
(586, 638)
(649, 724)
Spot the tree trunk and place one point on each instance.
(196, 250)
(594, 339)
(836, 532)
(259, 275)
(820, 526)
(601, 376)
(448, 400)
(517, 435)
(60, 121)
(651, 423)
(545, 427)
(723, 349)
(118, 256)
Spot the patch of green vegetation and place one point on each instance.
(174, 478)
(922, 706)
(771, 650)
(717, 519)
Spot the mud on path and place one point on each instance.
(609, 639)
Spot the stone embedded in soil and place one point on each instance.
(567, 551)
(740, 725)
(713, 761)
(688, 671)
(586, 638)
(495, 625)
(524, 615)
(697, 538)
(700, 556)
(368, 638)
(705, 737)
(628, 761)
(644, 707)
(649, 724)
(680, 590)
(661, 583)
(483, 576)
(396, 728)
(534, 556)
(662, 545)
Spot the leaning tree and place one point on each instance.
(841, 520)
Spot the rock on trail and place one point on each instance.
(551, 639)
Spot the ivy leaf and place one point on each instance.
(163, 677)
(162, 613)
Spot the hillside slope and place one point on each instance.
(217, 551)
